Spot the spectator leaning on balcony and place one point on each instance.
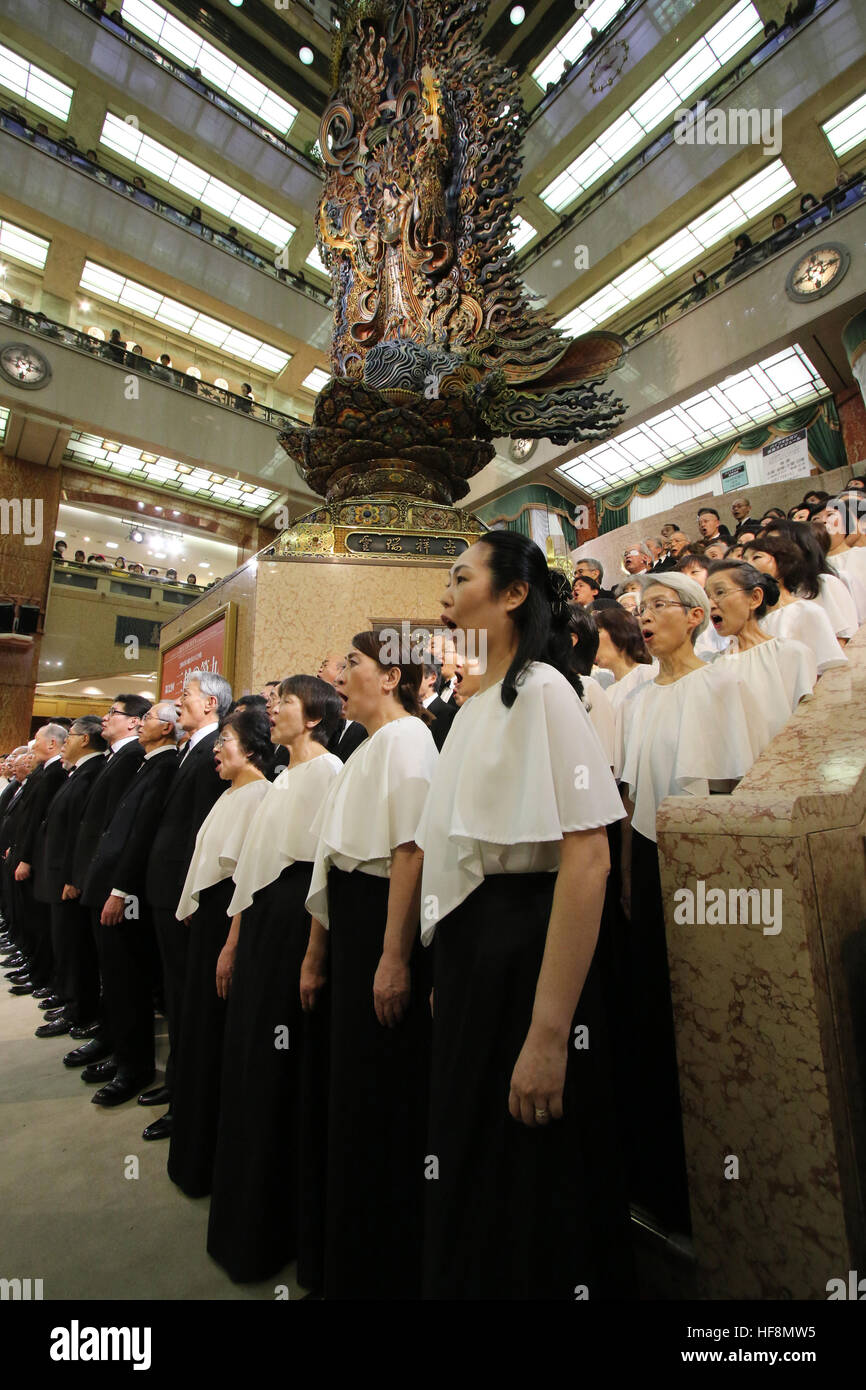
(245, 400)
(163, 369)
(115, 348)
(59, 552)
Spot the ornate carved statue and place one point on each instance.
(436, 345)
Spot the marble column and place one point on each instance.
(29, 501)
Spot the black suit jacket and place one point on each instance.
(443, 720)
(124, 847)
(55, 842)
(343, 741)
(664, 565)
(11, 812)
(193, 793)
(107, 791)
(43, 784)
(748, 525)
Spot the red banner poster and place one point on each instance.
(204, 651)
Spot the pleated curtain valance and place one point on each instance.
(823, 437)
(515, 508)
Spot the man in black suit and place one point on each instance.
(204, 701)
(594, 569)
(21, 763)
(280, 756)
(349, 734)
(43, 783)
(742, 510)
(442, 712)
(76, 971)
(711, 528)
(114, 889)
(120, 731)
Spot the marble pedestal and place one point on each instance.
(771, 1014)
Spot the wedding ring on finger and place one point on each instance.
(542, 1114)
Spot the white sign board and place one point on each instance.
(787, 457)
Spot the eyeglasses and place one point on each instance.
(657, 605)
(115, 710)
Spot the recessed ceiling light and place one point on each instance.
(237, 3)
(306, 55)
(518, 14)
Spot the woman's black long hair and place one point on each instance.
(541, 621)
(804, 538)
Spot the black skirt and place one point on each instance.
(377, 1106)
(268, 1181)
(657, 1161)
(517, 1213)
(196, 1089)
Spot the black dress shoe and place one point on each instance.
(89, 1030)
(160, 1095)
(13, 962)
(19, 973)
(49, 1001)
(121, 1089)
(100, 1071)
(52, 1014)
(55, 1029)
(93, 1051)
(21, 989)
(159, 1129)
(45, 992)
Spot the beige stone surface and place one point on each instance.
(305, 608)
(770, 1027)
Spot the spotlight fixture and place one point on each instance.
(237, 3)
(137, 536)
(306, 55)
(517, 15)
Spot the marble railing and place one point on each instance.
(771, 1014)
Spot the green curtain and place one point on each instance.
(823, 435)
(513, 509)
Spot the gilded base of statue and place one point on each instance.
(391, 527)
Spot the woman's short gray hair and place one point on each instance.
(688, 589)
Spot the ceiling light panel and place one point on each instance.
(753, 197)
(148, 154)
(217, 70)
(106, 284)
(847, 129)
(740, 26)
(571, 45)
(22, 246)
(33, 84)
(735, 403)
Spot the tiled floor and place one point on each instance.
(70, 1214)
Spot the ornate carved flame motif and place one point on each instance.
(436, 346)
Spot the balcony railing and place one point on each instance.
(102, 578)
(117, 355)
(186, 76)
(832, 207)
(764, 50)
(15, 125)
